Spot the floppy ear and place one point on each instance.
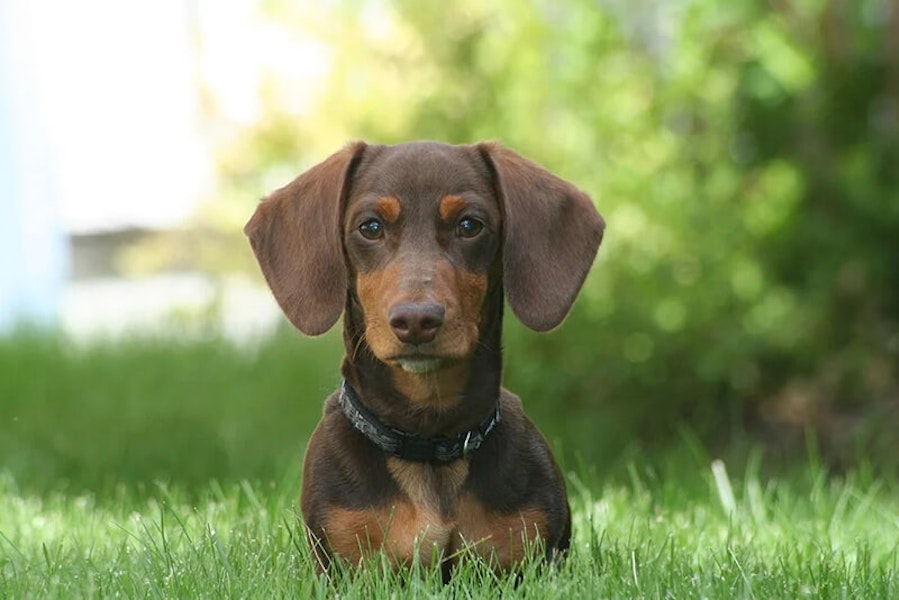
(295, 234)
(551, 232)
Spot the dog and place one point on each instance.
(421, 452)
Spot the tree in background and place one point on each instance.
(745, 155)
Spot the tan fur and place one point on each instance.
(415, 526)
(463, 294)
(450, 207)
(439, 390)
(402, 530)
(424, 484)
(389, 208)
(500, 538)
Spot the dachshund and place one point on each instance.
(421, 452)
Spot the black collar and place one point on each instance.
(408, 446)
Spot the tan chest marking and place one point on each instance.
(427, 487)
(502, 539)
(415, 524)
(400, 530)
(432, 518)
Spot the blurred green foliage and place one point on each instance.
(745, 155)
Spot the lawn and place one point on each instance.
(161, 469)
(653, 537)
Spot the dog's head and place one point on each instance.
(422, 233)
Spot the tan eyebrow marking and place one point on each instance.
(450, 207)
(389, 208)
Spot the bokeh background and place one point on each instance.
(745, 155)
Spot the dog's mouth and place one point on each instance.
(419, 364)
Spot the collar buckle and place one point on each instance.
(465, 448)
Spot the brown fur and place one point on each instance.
(422, 301)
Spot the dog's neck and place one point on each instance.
(446, 402)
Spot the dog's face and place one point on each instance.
(421, 232)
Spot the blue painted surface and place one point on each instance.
(33, 251)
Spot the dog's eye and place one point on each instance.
(469, 227)
(372, 229)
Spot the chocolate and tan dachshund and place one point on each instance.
(422, 451)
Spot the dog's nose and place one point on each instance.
(416, 322)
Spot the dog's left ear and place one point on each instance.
(295, 233)
(551, 232)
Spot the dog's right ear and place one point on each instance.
(295, 234)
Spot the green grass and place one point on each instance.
(677, 536)
(170, 468)
(98, 415)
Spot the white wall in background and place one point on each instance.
(99, 129)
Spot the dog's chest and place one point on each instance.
(433, 516)
(430, 489)
(426, 505)
(441, 516)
